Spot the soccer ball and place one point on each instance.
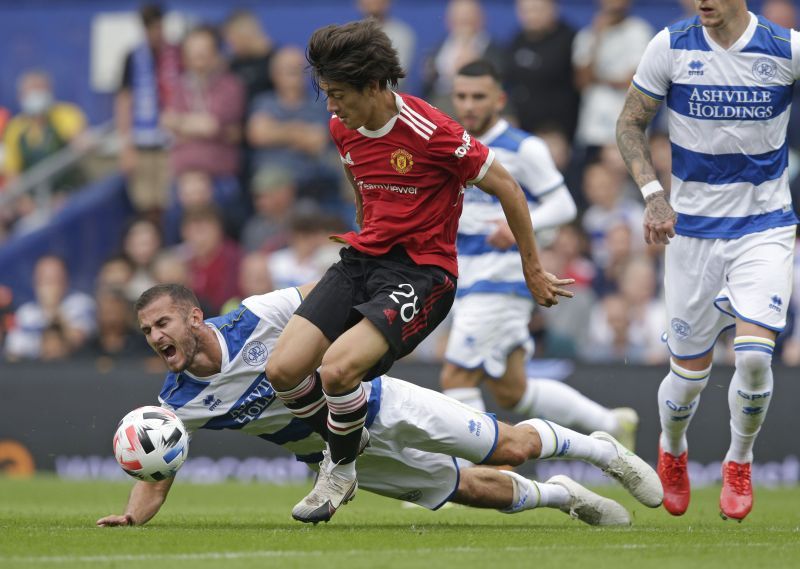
(151, 443)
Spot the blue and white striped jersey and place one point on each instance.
(728, 111)
(482, 268)
(240, 396)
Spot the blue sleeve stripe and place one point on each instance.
(715, 169)
(647, 92)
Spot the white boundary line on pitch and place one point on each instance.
(227, 555)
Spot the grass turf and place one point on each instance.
(46, 522)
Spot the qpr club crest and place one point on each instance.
(681, 328)
(765, 69)
(254, 353)
(402, 161)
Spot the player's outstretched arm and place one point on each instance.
(638, 112)
(544, 287)
(144, 502)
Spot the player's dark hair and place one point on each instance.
(180, 295)
(480, 68)
(151, 14)
(356, 54)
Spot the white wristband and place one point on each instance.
(650, 188)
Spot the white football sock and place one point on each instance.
(561, 443)
(678, 398)
(468, 396)
(749, 394)
(529, 494)
(557, 401)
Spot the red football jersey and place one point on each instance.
(411, 175)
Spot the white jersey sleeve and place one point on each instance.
(275, 307)
(795, 39)
(653, 76)
(538, 173)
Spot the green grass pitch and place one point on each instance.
(45, 522)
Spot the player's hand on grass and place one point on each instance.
(116, 520)
(659, 219)
(546, 288)
(501, 237)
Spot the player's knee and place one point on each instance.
(280, 375)
(338, 377)
(753, 365)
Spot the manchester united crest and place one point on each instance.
(402, 161)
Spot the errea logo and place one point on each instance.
(462, 150)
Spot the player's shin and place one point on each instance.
(678, 398)
(749, 394)
(560, 442)
(348, 412)
(306, 401)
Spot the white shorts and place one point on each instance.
(709, 282)
(486, 329)
(413, 440)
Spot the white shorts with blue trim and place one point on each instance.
(413, 440)
(709, 282)
(486, 328)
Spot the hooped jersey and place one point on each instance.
(240, 396)
(728, 110)
(411, 175)
(485, 269)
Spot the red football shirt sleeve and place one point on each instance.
(460, 153)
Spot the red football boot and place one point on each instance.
(736, 499)
(674, 475)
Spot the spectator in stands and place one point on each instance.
(254, 278)
(44, 127)
(116, 272)
(403, 38)
(206, 112)
(289, 129)
(604, 191)
(195, 189)
(213, 260)
(5, 114)
(539, 78)
(619, 249)
(117, 332)
(141, 243)
(567, 320)
(605, 56)
(558, 144)
(609, 334)
(466, 41)
(150, 78)
(6, 312)
(55, 308)
(273, 190)
(309, 253)
(251, 51)
(169, 266)
(638, 287)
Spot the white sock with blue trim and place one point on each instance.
(529, 494)
(557, 401)
(678, 398)
(561, 443)
(749, 394)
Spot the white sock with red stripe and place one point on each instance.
(346, 417)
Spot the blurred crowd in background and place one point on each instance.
(225, 148)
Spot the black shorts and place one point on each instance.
(405, 301)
